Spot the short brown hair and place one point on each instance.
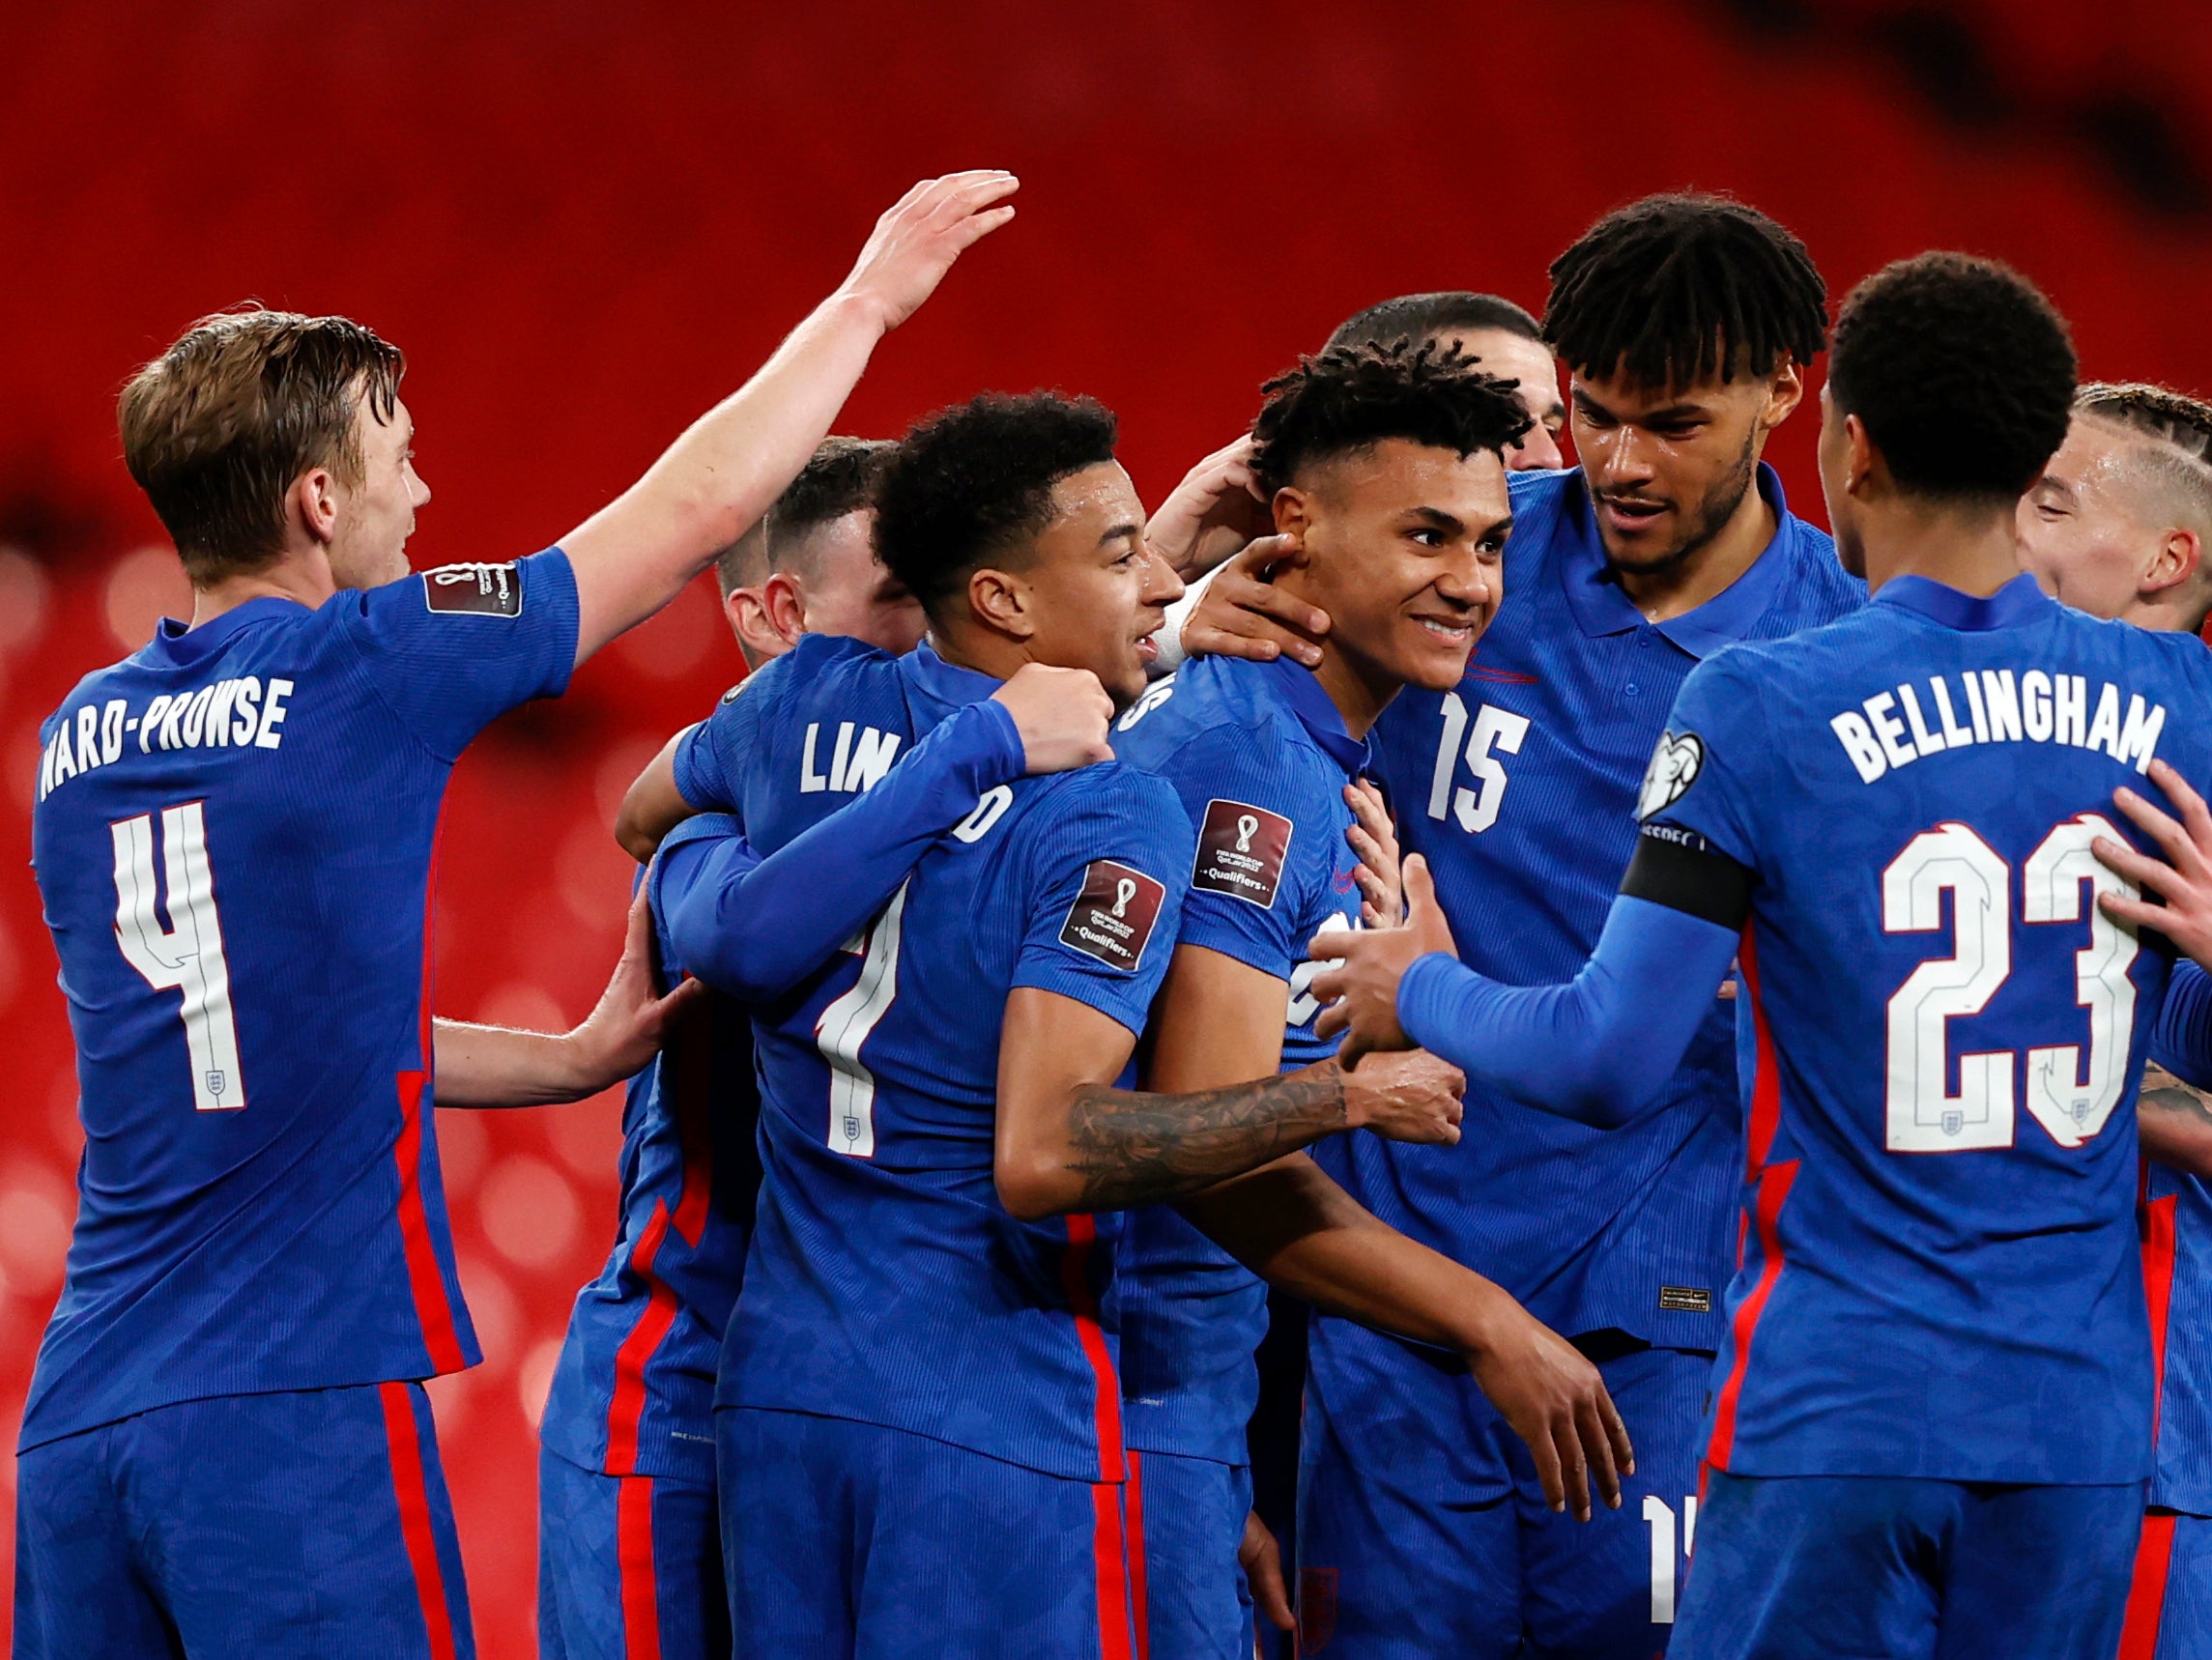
(215, 429)
(839, 479)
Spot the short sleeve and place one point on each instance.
(451, 650)
(710, 757)
(1107, 850)
(1248, 890)
(1704, 771)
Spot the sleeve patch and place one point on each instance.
(1241, 852)
(1111, 919)
(1675, 767)
(485, 591)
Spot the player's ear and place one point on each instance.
(1294, 513)
(1004, 602)
(1862, 462)
(312, 504)
(784, 608)
(2179, 552)
(1785, 391)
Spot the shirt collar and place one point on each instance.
(947, 683)
(1296, 685)
(2019, 601)
(1602, 607)
(180, 646)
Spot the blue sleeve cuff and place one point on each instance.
(1423, 997)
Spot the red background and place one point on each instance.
(585, 224)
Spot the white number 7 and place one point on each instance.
(187, 956)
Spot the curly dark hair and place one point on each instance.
(1419, 317)
(969, 482)
(1960, 371)
(1673, 289)
(1353, 396)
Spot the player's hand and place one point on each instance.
(1261, 1559)
(1216, 511)
(1243, 615)
(1555, 1400)
(1375, 839)
(1359, 989)
(631, 1022)
(1062, 715)
(2184, 881)
(916, 241)
(1409, 1096)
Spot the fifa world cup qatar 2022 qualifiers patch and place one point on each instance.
(1241, 852)
(486, 591)
(1111, 919)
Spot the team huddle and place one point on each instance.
(1376, 1060)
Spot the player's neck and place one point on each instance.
(1361, 694)
(1974, 549)
(306, 580)
(1687, 583)
(974, 648)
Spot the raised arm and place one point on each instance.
(635, 555)
(1597, 1048)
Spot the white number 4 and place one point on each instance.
(1923, 1116)
(187, 956)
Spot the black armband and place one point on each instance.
(1682, 871)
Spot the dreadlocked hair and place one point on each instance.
(1351, 397)
(2158, 413)
(1674, 288)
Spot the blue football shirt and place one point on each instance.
(234, 838)
(1259, 757)
(1519, 789)
(886, 1282)
(1940, 1272)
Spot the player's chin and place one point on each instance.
(1433, 651)
(1124, 680)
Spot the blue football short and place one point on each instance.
(628, 1566)
(308, 1523)
(854, 1541)
(1815, 1567)
(2170, 1607)
(1437, 1540)
(1186, 1523)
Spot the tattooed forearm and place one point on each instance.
(1131, 1149)
(2163, 1092)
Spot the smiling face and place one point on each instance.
(1091, 591)
(1401, 544)
(376, 514)
(1669, 467)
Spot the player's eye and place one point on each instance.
(1428, 536)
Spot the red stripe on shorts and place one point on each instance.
(408, 1486)
(1134, 1492)
(1109, 1554)
(2147, 1594)
(633, 1557)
